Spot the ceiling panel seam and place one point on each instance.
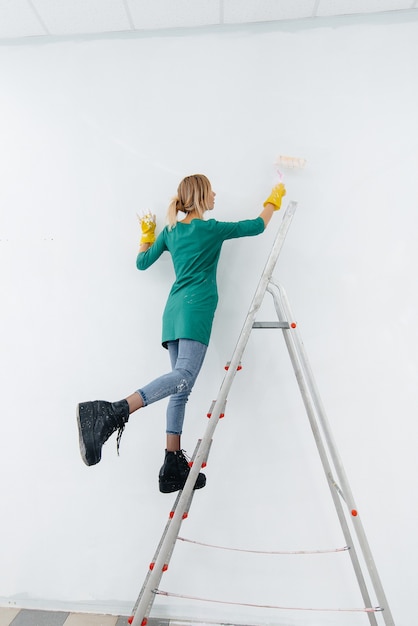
(38, 16)
(315, 8)
(129, 15)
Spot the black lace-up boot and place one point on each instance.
(97, 421)
(175, 471)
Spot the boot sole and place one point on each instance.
(83, 450)
(170, 487)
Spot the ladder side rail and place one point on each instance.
(164, 551)
(342, 477)
(310, 410)
(336, 459)
(244, 335)
(163, 554)
(332, 451)
(154, 560)
(167, 545)
(160, 571)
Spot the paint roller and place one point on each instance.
(283, 163)
(287, 163)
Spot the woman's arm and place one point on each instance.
(273, 203)
(267, 213)
(150, 252)
(147, 224)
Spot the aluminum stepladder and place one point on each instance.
(336, 478)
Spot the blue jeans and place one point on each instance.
(186, 356)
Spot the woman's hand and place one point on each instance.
(147, 223)
(275, 198)
(273, 203)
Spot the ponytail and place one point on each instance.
(172, 212)
(192, 195)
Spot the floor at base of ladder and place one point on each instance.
(29, 617)
(35, 617)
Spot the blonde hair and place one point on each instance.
(192, 195)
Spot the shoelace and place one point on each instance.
(184, 459)
(119, 437)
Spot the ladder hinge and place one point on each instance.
(271, 325)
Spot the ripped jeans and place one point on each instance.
(186, 356)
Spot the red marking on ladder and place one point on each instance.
(238, 368)
(165, 567)
(221, 415)
(151, 565)
(354, 513)
(293, 325)
(143, 623)
(191, 464)
(184, 515)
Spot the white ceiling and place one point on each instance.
(64, 18)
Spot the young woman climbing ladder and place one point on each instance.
(195, 245)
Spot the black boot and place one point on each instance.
(175, 471)
(96, 422)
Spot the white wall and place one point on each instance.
(93, 131)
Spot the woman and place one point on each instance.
(195, 245)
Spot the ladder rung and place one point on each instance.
(221, 414)
(271, 325)
(205, 458)
(239, 367)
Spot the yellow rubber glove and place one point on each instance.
(276, 196)
(147, 223)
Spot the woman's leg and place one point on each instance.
(98, 420)
(173, 439)
(181, 379)
(135, 402)
(187, 356)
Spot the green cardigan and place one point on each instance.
(195, 250)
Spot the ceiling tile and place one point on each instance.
(174, 13)
(17, 19)
(238, 11)
(346, 7)
(65, 17)
(28, 18)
